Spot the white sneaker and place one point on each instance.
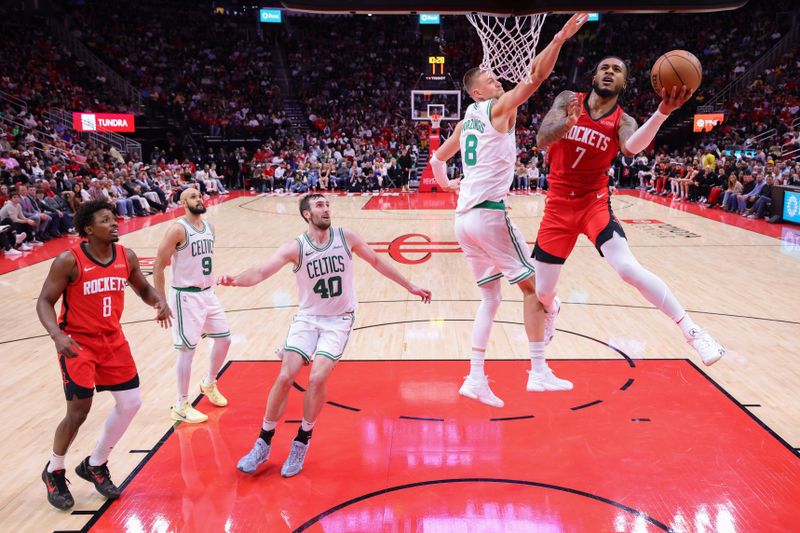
(710, 350)
(34, 242)
(550, 322)
(546, 381)
(12, 253)
(21, 237)
(477, 389)
(25, 247)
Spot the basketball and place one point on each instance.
(676, 69)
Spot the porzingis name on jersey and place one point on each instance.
(325, 265)
(107, 284)
(473, 124)
(588, 136)
(203, 246)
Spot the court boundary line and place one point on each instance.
(598, 304)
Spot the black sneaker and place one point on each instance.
(57, 492)
(99, 476)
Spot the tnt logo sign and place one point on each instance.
(707, 121)
(88, 122)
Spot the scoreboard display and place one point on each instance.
(435, 68)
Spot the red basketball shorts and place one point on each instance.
(566, 217)
(104, 362)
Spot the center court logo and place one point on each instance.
(415, 248)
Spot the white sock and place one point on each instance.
(687, 325)
(536, 350)
(127, 404)
(476, 365)
(219, 351)
(305, 425)
(56, 463)
(269, 425)
(183, 369)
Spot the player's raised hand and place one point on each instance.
(164, 314)
(673, 100)
(425, 294)
(573, 111)
(65, 345)
(572, 26)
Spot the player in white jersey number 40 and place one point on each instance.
(322, 261)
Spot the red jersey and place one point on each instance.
(93, 303)
(580, 160)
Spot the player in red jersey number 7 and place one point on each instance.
(583, 132)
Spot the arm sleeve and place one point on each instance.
(439, 168)
(641, 138)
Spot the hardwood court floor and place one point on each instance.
(740, 284)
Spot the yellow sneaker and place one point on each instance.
(213, 394)
(187, 413)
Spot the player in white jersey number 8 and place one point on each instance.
(322, 260)
(492, 244)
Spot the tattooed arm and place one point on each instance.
(627, 127)
(561, 117)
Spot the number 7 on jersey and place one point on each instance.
(580, 151)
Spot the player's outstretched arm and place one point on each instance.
(439, 159)
(146, 292)
(362, 250)
(633, 140)
(57, 280)
(541, 68)
(288, 253)
(561, 117)
(174, 238)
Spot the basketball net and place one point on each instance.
(435, 121)
(509, 44)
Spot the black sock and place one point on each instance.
(266, 436)
(303, 436)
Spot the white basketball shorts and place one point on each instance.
(493, 245)
(196, 312)
(311, 335)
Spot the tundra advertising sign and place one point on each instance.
(103, 122)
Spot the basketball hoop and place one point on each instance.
(509, 44)
(435, 120)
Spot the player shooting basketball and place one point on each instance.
(583, 132)
(492, 244)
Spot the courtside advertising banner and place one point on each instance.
(103, 122)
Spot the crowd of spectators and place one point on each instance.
(35, 68)
(210, 69)
(711, 177)
(42, 184)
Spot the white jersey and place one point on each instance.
(325, 280)
(192, 261)
(488, 157)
